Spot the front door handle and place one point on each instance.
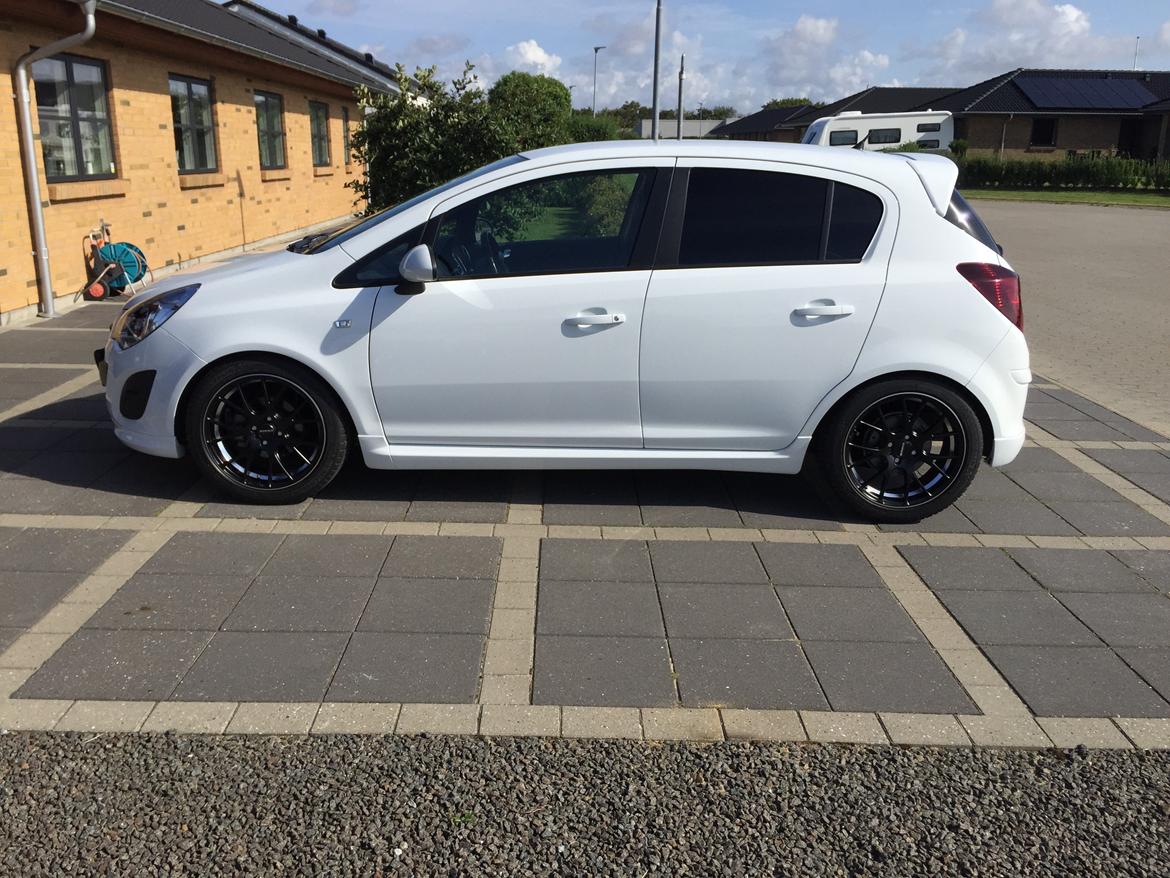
(595, 319)
(828, 309)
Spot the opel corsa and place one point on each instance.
(701, 305)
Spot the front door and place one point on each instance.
(765, 293)
(530, 334)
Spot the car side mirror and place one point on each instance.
(418, 265)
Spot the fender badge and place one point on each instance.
(341, 324)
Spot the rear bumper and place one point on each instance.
(1001, 384)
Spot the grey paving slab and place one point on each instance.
(1086, 406)
(1065, 486)
(705, 562)
(1152, 566)
(766, 674)
(215, 508)
(609, 609)
(263, 666)
(1076, 681)
(402, 667)
(1001, 617)
(93, 315)
(1124, 619)
(100, 437)
(792, 502)
(460, 496)
(686, 498)
(10, 461)
(1157, 484)
(60, 551)
(894, 677)
(1127, 460)
(811, 564)
(1078, 570)
(33, 438)
(994, 484)
(25, 597)
(8, 637)
(429, 606)
(330, 555)
(1120, 518)
(603, 671)
(413, 557)
(362, 494)
(116, 665)
(1082, 430)
(74, 468)
(950, 520)
(176, 602)
(1136, 431)
(1152, 663)
(600, 560)
(215, 554)
(1017, 517)
(716, 611)
(28, 345)
(20, 385)
(591, 498)
(288, 602)
(963, 567)
(1039, 460)
(852, 614)
(1050, 409)
(86, 404)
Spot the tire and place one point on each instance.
(900, 450)
(265, 431)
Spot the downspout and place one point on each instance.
(28, 152)
(1003, 133)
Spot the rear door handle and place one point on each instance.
(827, 310)
(595, 319)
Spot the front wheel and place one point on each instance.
(898, 451)
(265, 431)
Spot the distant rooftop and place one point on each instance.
(1036, 90)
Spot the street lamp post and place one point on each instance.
(657, 53)
(682, 66)
(596, 50)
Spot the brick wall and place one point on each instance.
(173, 218)
(1081, 133)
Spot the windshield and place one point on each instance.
(331, 238)
(963, 215)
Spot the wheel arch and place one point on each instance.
(185, 396)
(914, 375)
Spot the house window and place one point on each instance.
(270, 129)
(194, 127)
(74, 114)
(345, 133)
(319, 132)
(1043, 132)
(885, 135)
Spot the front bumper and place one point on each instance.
(173, 364)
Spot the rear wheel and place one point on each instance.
(265, 432)
(901, 450)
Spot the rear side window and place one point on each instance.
(961, 214)
(842, 138)
(746, 217)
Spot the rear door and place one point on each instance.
(768, 279)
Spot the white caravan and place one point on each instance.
(930, 129)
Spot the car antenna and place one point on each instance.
(861, 143)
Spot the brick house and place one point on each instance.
(189, 127)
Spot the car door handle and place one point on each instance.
(827, 310)
(595, 319)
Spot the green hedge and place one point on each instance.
(1076, 173)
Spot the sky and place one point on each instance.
(745, 52)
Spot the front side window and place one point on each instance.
(319, 132)
(1043, 132)
(842, 138)
(885, 135)
(570, 223)
(74, 116)
(270, 129)
(194, 128)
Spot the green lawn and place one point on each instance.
(1075, 196)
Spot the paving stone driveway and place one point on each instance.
(1043, 594)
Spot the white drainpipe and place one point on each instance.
(28, 151)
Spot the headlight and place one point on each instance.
(141, 319)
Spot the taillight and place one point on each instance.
(1000, 286)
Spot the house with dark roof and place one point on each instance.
(1037, 113)
(191, 127)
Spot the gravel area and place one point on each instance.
(155, 804)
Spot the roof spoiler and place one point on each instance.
(938, 175)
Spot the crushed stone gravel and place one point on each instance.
(372, 806)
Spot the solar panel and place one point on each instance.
(1084, 93)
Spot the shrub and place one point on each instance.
(1071, 173)
(958, 148)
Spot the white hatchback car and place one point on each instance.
(694, 305)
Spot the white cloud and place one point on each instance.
(805, 60)
(336, 8)
(1164, 35)
(531, 58)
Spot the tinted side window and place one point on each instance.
(742, 217)
(572, 222)
(842, 138)
(380, 268)
(885, 135)
(855, 220)
(924, 127)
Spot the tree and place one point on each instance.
(532, 110)
(585, 127)
(776, 103)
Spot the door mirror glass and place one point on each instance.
(418, 265)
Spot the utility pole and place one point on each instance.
(596, 49)
(682, 66)
(1136, 46)
(657, 52)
